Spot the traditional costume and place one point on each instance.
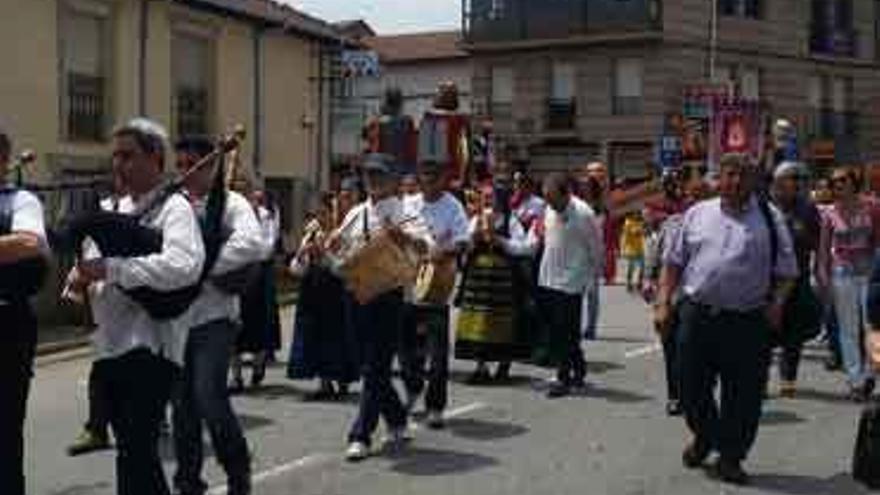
(444, 135)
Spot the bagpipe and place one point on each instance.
(126, 235)
(22, 279)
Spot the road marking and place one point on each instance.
(316, 460)
(643, 351)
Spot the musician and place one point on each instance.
(213, 329)
(261, 332)
(144, 355)
(377, 323)
(450, 230)
(324, 344)
(95, 434)
(493, 287)
(22, 238)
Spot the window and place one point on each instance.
(84, 53)
(750, 83)
(497, 10)
(628, 74)
(192, 67)
(750, 9)
(502, 90)
(843, 15)
(841, 91)
(561, 108)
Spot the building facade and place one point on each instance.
(568, 81)
(76, 68)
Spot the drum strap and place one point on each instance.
(366, 226)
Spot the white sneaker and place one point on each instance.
(435, 420)
(357, 451)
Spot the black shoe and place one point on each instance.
(480, 376)
(258, 375)
(673, 408)
(87, 442)
(502, 374)
(557, 390)
(731, 472)
(695, 455)
(832, 364)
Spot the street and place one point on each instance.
(612, 439)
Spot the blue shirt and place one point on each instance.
(724, 256)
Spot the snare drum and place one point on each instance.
(380, 265)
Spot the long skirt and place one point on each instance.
(324, 342)
(487, 327)
(261, 330)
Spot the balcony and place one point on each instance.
(833, 42)
(626, 105)
(828, 124)
(505, 21)
(561, 114)
(85, 98)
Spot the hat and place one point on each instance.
(788, 169)
(350, 184)
(376, 164)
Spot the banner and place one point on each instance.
(737, 126)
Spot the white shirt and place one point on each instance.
(124, 325)
(446, 219)
(26, 216)
(572, 248)
(517, 241)
(243, 247)
(270, 228)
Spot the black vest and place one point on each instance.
(23, 279)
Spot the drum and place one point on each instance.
(380, 265)
(435, 283)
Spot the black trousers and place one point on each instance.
(99, 417)
(17, 344)
(733, 349)
(431, 347)
(378, 328)
(671, 360)
(139, 387)
(562, 314)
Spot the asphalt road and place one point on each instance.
(613, 439)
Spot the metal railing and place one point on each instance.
(85, 107)
(516, 20)
(561, 114)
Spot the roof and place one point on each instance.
(272, 13)
(355, 28)
(417, 47)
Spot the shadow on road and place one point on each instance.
(602, 367)
(776, 418)
(839, 484)
(420, 461)
(623, 339)
(613, 395)
(822, 396)
(482, 430)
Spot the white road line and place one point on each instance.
(315, 460)
(643, 351)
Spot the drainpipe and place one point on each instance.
(257, 35)
(319, 151)
(143, 35)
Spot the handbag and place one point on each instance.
(866, 459)
(803, 314)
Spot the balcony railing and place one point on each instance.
(85, 115)
(627, 105)
(828, 124)
(519, 20)
(561, 114)
(834, 42)
(192, 111)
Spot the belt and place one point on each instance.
(714, 310)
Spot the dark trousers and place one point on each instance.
(562, 314)
(202, 397)
(671, 360)
(378, 325)
(431, 346)
(139, 387)
(17, 343)
(789, 362)
(98, 421)
(732, 348)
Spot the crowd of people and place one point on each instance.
(733, 268)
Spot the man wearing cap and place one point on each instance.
(143, 355)
(377, 323)
(733, 292)
(22, 241)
